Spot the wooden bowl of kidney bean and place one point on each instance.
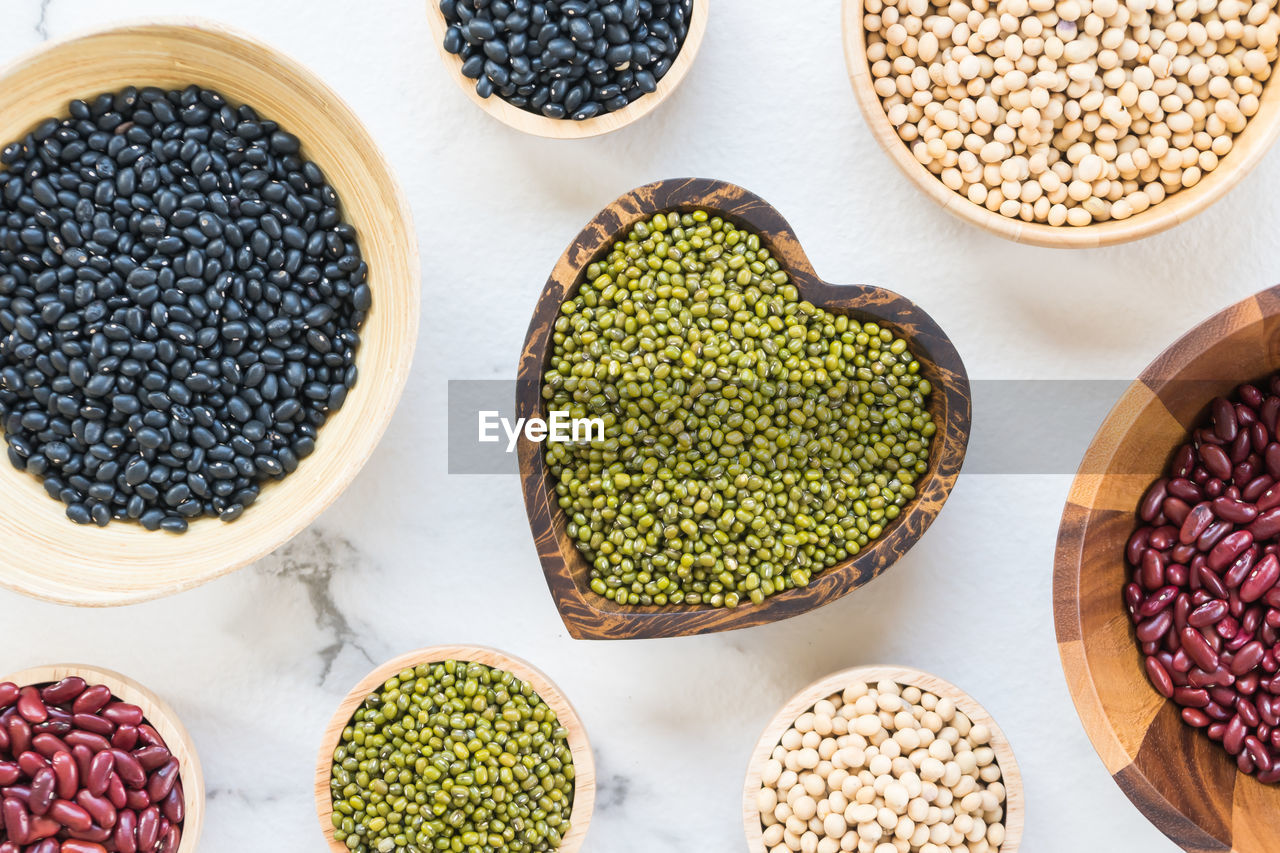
(1165, 592)
(91, 762)
(50, 557)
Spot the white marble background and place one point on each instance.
(411, 556)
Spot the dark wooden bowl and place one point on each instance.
(1183, 782)
(591, 616)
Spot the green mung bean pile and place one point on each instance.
(453, 756)
(751, 439)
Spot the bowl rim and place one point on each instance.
(584, 788)
(585, 614)
(804, 699)
(171, 27)
(1078, 516)
(551, 128)
(1174, 210)
(159, 714)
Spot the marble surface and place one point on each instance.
(411, 556)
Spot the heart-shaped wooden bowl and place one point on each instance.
(584, 782)
(1249, 148)
(836, 683)
(558, 128)
(1183, 782)
(591, 616)
(161, 717)
(50, 557)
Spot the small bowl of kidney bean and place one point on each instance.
(1204, 590)
(92, 762)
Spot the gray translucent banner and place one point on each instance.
(1031, 426)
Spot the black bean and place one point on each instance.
(180, 292)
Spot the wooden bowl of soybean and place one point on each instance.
(158, 714)
(834, 684)
(1248, 149)
(50, 557)
(537, 124)
(589, 615)
(584, 788)
(1183, 782)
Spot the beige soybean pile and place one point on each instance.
(1075, 111)
(883, 768)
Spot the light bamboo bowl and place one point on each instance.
(584, 789)
(50, 557)
(1184, 783)
(1250, 146)
(161, 717)
(1014, 807)
(564, 128)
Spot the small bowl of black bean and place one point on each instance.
(197, 324)
(568, 69)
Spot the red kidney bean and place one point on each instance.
(1183, 553)
(149, 828)
(64, 691)
(92, 700)
(30, 706)
(94, 724)
(1191, 521)
(1261, 579)
(17, 820)
(10, 773)
(1185, 490)
(1155, 628)
(1240, 569)
(1230, 548)
(1233, 737)
(78, 846)
(43, 827)
(1151, 575)
(1190, 697)
(91, 741)
(1184, 461)
(99, 808)
(70, 815)
(1152, 501)
(1248, 684)
(174, 806)
(1258, 437)
(19, 735)
(116, 792)
(162, 781)
(1210, 613)
(43, 791)
(8, 694)
(1163, 538)
(99, 775)
(1234, 511)
(1216, 461)
(1159, 600)
(149, 735)
(1251, 396)
(48, 845)
(1176, 574)
(136, 799)
(1136, 545)
(126, 834)
(1224, 419)
(172, 840)
(1211, 582)
(128, 768)
(67, 772)
(1254, 490)
(123, 714)
(32, 762)
(1266, 525)
(49, 745)
(1247, 658)
(1248, 713)
(1199, 649)
(126, 738)
(152, 757)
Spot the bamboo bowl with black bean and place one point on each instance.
(588, 612)
(1187, 784)
(50, 557)
(508, 739)
(566, 126)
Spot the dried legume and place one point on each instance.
(453, 756)
(1205, 589)
(179, 304)
(573, 59)
(751, 440)
(82, 772)
(883, 768)
(1070, 111)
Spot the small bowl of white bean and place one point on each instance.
(882, 759)
(1068, 123)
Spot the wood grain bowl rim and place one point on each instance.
(584, 789)
(162, 718)
(828, 685)
(1073, 537)
(589, 616)
(55, 560)
(552, 128)
(1251, 145)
